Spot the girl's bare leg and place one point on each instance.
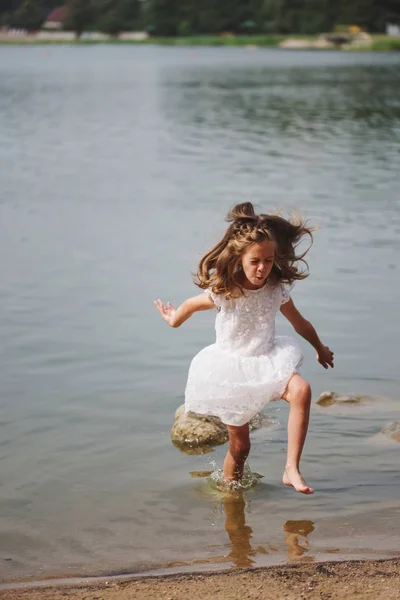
(298, 394)
(239, 448)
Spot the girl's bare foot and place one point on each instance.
(293, 477)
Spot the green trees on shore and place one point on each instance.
(190, 17)
(27, 15)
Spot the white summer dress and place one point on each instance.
(248, 365)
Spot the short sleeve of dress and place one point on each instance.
(216, 298)
(286, 289)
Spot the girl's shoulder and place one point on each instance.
(220, 300)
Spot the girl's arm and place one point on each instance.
(175, 317)
(307, 331)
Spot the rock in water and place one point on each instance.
(392, 430)
(329, 398)
(197, 434)
(193, 430)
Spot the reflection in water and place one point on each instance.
(242, 554)
(275, 105)
(294, 529)
(239, 533)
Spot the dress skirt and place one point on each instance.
(234, 387)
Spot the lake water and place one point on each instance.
(118, 165)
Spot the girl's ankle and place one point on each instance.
(291, 466)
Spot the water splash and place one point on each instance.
(217, 482)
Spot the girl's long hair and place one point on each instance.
(219, 269)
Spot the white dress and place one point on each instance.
(248, 365)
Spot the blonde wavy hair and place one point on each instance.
(220, 267)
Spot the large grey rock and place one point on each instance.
(329, 398)
(392, 431)
(196, 434)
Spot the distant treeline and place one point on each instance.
(193, 17)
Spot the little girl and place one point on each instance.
(247, 277)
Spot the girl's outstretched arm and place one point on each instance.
(307, 331)
(175, 317)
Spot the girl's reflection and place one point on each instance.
(239, 533)
(294, 529)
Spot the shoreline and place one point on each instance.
(372, 579)
(379, 42)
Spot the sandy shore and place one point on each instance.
(364, 580)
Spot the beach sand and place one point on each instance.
(364, 580)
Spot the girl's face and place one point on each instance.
(257, 262)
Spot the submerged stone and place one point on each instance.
(392, 431)
(329, 398)
(200, 474)
(197, 434)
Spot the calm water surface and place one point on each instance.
(118, 165)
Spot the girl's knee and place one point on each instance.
(305, 396)
(305, 389)
(300, 392)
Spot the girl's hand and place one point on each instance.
(167, 312)
(325, 357)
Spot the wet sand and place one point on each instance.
(364, 580)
